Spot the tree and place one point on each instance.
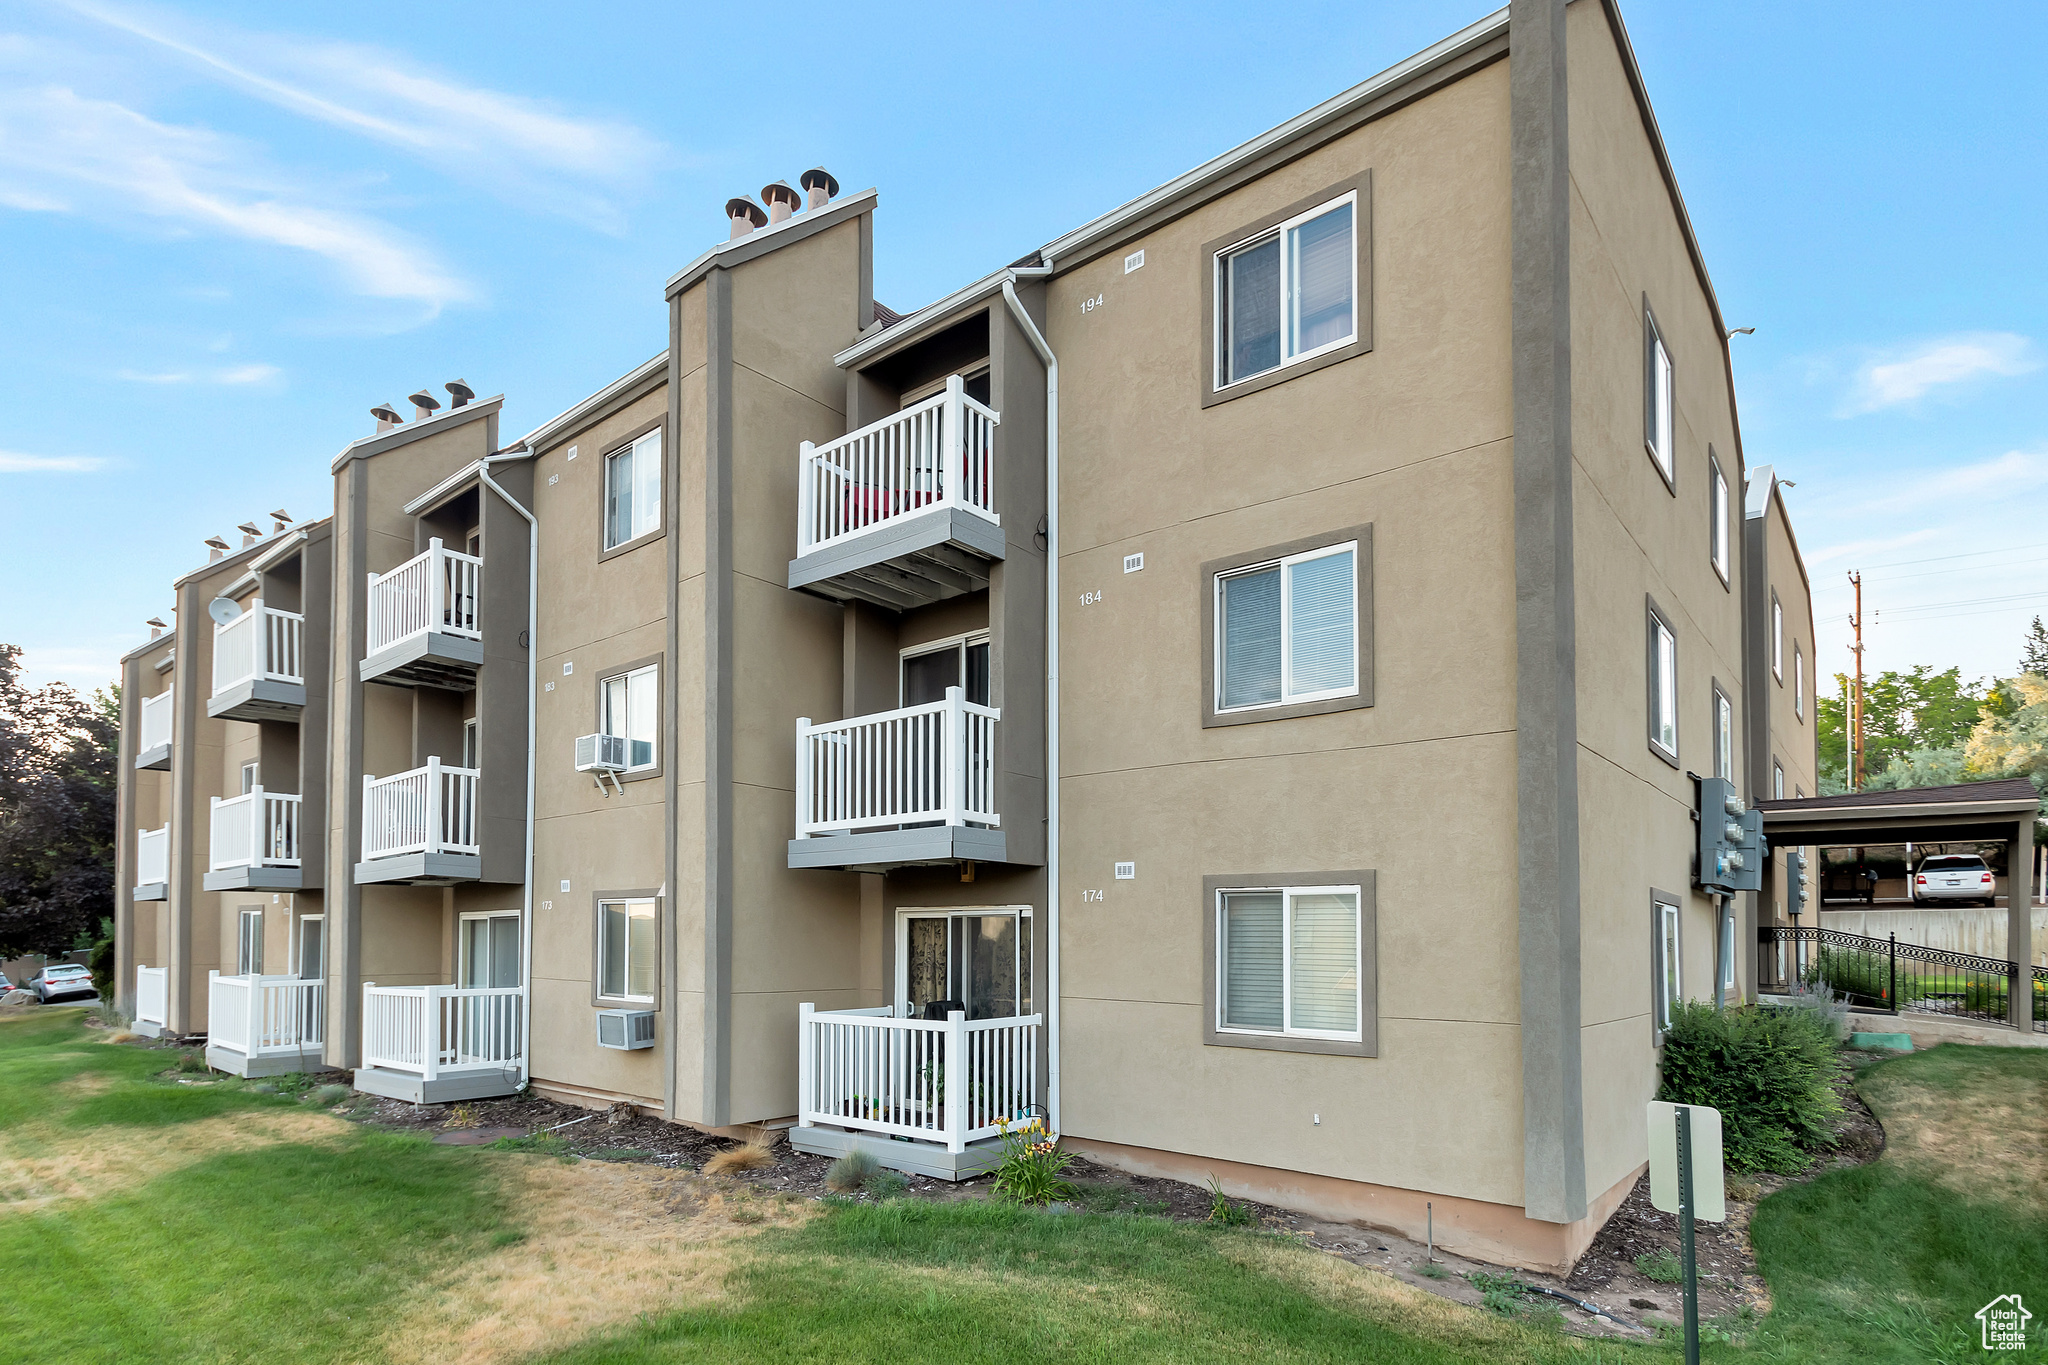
(57, 779)
(1903, 713)
(2034, 653)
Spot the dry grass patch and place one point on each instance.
(41, 1163)
(603, 1244)
(1966, 1122)
(747, 1156)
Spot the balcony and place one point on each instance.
(254, 842)
(924, 1096)
(423, 625)
(420, 827)
(264, 1025)
(901, 512)
(435, 1044)
(153, 743)
(153, 864)
(257, 669)
(898, 788)
(152, 1000)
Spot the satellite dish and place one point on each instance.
(223, 610)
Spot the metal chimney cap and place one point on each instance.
(780, 192)
(158, 622)
(460, 391)
(250, 528)
(423, 399)
(817, 177)
(282, 515)
(384, 412)
(215, 543)
(746, 208)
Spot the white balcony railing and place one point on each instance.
(428, 810)
(156, 721)
(930, 764)
(434, 590)
(256, 829)
(152, 995)
(951, 1081)
(262, 643)
(432, 1030)
(261, 1016)
(938, 453)
(152, 855)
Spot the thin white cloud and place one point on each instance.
(1945, 492)
(14, 462)
(233, 374)
(105, 160)
(512, 144)
(1871, 547)
(1898, 379)
(245, 374)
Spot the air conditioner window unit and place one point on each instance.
(625, 1029)
(601, 753)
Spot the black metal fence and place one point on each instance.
(1885, 974)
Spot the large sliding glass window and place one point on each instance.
(1288, 294)
(977, 961)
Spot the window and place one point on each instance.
(1664, 962)
(470, 752)
(1798, 684)
(1717, 508)
(632, 491)
(249, 944)
(1290, 962)
(627, 707)
(1663, 690)
(978, 961)
(489, 951)
(1777, 780)
(1658, 420)
(1727, 953)
(312, 957)
(1288, 294)
(1287, 630)
(249, 778)
(929, 669)
(1724, 735)
(1777, 639)
(625, 949)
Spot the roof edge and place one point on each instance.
(413, 431)
(762, 240)
(577, 411)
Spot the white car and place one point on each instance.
(1954, 877)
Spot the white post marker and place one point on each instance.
(1685, 1179)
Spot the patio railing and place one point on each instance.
(262, 643)
(153, 995)
(929, 764)
(155, 724)
(427, 810)
(265, 1015)
(153, 855)
(937, 453)
(434, 590)
(431, 1030)
(952, 1081)
(256, 829)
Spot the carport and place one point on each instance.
(1968, 812)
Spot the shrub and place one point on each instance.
(1029, 1171)
(1830, 1010)
(1221, 1210)
(886, 1184)
(848, 1174)
(1769, 1072)
(1661, 1266)
(101, 962)
(192, 1061)
(1865, 978)
(327, 1096)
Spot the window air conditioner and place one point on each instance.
(625, 1029)
(601, 753)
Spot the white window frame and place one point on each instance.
(1726, 936)
(959, 644)
(299, 946)
(1777, 637)
(1217, 268)
(643, 522)
(653, 905)
(249, 943)
(604, 684)
(1287, 695)
(1667, 947)
(1023, 970)
(1287, 895)
(462, 953)
(1724, 735)
(1660, 438)
(1777, 780)
(472, 744)
(1662, 693)
(1798, 684)
(252, 776)
(1718, 536)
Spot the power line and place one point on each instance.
(1960, 568)
(1964, 602)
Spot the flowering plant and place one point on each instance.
(1029, 1171)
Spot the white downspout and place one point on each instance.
(1052, 681)
(532, 706)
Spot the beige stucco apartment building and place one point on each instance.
(1231, 682)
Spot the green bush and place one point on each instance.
(850, 1172)
(1866, 978)
(1030, 1171)
(1768, 1071)
(1989, 997)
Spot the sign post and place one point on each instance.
(1686, 1180)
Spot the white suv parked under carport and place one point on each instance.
(1954, 877)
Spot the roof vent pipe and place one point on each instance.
(423, 404)
(215, 548)
(387, 417)
(156, 626)
(819, 187)
(251, 533)
(459, 393)
(746, 215)
(283, 519)
(781, 201)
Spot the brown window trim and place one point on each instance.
(622, 1002)
(1362, 242)
(1206, 586)
(612, 448)
(1368, 1044)
(660, 712)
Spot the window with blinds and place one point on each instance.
(1290, 961)
(1289, 293)
(1288, 630)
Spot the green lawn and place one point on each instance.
(310, 1244)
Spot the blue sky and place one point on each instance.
(227, 231)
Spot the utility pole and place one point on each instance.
(1856, 740)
